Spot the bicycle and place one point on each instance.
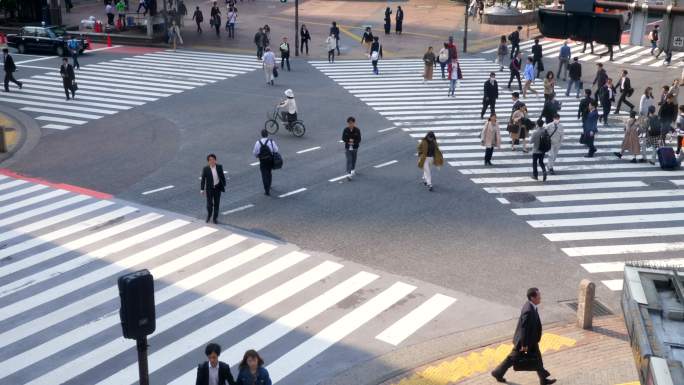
(272, 125)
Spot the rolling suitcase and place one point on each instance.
(666, 158)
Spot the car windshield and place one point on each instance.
(56, 31)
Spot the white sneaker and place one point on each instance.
(353, 172)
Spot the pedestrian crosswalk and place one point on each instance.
(109, 87)
(600, 211)
(60, 254)
(624, 54)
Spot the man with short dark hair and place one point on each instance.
(491, 93)
(526, 340)
(583, 109)
(264, 149)
(654, 36)
(335, 31)
(351, 137)
(66, 70)
(537, 56)
(626, 91)
(213, 371)
(514, 38)
(9, 67)
(575, 72)
(600, 79)
(515, 66)
(212, 185)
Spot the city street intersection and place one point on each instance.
(325, 274)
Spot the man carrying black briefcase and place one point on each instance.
(526, 355)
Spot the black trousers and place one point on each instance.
(260, 52)
(337, 45)
(283, 60)
(515, 48)
(305, 43)
(488, 102)
(68, 88)
(591, 43)
(506, 364)
(213, 200)
(331, 56)
(266, 167)
(606, 112)
(489, 151)
(589, 141)
(516, 75)
(623, 99)
(9, 77)
(538, 159)
(538, 66)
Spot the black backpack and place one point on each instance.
(545, 140)
(265, 153)
(654, 126)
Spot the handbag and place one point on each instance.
(513, 128)
(74, 85)
(459, 74)
(525, 362)
(275, 72)
(277, 161)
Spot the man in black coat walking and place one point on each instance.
(491, 93)
(626, 91)
(66, 70)
(10, 68)
(526, 340)
(214, 371)
(537, 56)
(212, 185)
(514, 38)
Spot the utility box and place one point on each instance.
(675, 33)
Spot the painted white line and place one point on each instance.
(14, 183)
(338, 178)
(103, 48)
(157, 190)
(24, 191)
(60, 120)
(417, 318)
(623, 249)
(241, 208)
(54, 219)
(42, 210)
(548, 210)
(678, 182)
(503, 201)
(165, 322)
(333, 333)
(615, 234)
(189, 341)
(564, 187)
(599, 175)
(309, 149)
(613, 220)
(56, 127)
(610, 195)
(292, 192)
(526, 170)
(613, 284)
(386, 129)
(611, 267)
(32, 200)
(381, 165)
(70, 286)
(254, 164)
(60, 112)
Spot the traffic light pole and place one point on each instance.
(296, 27)
(465, 29)
(143, 374)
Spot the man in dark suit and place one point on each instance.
(626, 91)
(526, 339)
(491, 93)
(213, 371)
(10, 68)
(68, 78)
(212, 185)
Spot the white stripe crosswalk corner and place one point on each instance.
(416, 319)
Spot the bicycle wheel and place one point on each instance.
(271, 126)
(298, 129)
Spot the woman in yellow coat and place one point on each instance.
(428, 152)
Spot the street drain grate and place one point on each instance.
(600, 310)
(520, 197)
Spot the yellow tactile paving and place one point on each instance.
(474, 363)
(631, 383)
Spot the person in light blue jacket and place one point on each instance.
(529, 75)
(590, 128)
(252, 371)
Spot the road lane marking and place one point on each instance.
(624, 249)
(241, 208)
(615, 234)
(339, 178)
(287, 194)
(309, 149)
(386, 129)
(148, 192)
(613, 284)
(563, 187)
(24, 191)
(612, 267)
(503, 201)
(254, 164)
(612, 220)
(414, 320)
(381, 165)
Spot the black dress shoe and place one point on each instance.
(498, 378)
(215, 221)
(549, 381)
(207, 220)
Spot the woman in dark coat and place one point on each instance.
(400, 20)
(252, 371)
(388, 20)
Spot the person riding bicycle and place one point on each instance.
(290, 115)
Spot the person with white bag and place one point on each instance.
(375, 54)
(174, 35)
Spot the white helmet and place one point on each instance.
(289, 93)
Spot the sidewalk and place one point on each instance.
(574, 356)
(427, 22)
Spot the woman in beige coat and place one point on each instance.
(490, 138)
(631, 140)
(518, 129)
(428, 152)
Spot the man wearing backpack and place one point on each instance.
(74, 47)
(555, 130)
(264, 149)
(514, 38)
(541, 143)
(653, 134)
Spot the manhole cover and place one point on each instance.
(661, 183)
(520, 197)
(599, 310)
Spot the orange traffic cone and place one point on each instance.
(109, 41)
